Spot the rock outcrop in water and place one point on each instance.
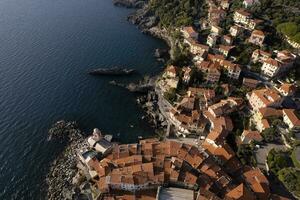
(60, 179)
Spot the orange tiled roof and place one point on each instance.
(252, 135)
(189, 29)
(287, 88)
(240, 193)
(267, 96)
(258, 182)
(270, 112)
(290, 113)
(258, 33)
(272, 62)
(243, 12)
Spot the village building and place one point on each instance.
(258, 183)
(286, 58)
(291, 118)
(249, 3)
(171, 71)
(250, 83)
(226, 89)
(206, 96)
(233, 70)
(196, 48)
(235, 30)
(260, 56)
(225, 50)
(241, 192)
(216, 30)
(257, 37)
(204, 24)
(215, 16)
(186, 117)
(271, 67)
(287, 89)
(227, 40)
(264, 98)
(225, 4)
(187, 73)
(99, 143)
(225, 106)
(244, 19)
(212, 39)
(262, 116)
(241, 17)
(249, 136)
(189, 32)
(211, 71)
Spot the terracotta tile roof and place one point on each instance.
(290, 113)
(252, 135)
(217, 136)
(171, 69)
(174, 175)
(190, 178)
(258, 182)
(225, 152)
(250, 82)
(204, 65)
(288, 88)
(273, 62)
(285, 55)
(240, 193)
(227, 37)
(258, 33)
(243, 12)
(265, 123)
(207, 195)
(215, 57)
(224, 122)
(208, 93)
(267, 96)
(189, 29)
(261, 52)
(270, 112)
(225, 48)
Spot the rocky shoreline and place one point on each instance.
(65, 180)
(60, 179)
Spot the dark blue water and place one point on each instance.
(46, 47)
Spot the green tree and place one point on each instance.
(170, 95)
(269, 134)
(278, 160)
(290, 177)
(245, 154)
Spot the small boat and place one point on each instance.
(111, 71)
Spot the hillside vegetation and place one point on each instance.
(177, 12)
(290, 29)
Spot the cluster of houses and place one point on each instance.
(213, 59)
(221, 46)
(212, 170)
(139, 170)
(267, 104)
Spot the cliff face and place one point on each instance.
(145, 20)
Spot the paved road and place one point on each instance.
(262, 153)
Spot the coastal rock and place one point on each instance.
(63, 171)
(142, 87)
(63, 131)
